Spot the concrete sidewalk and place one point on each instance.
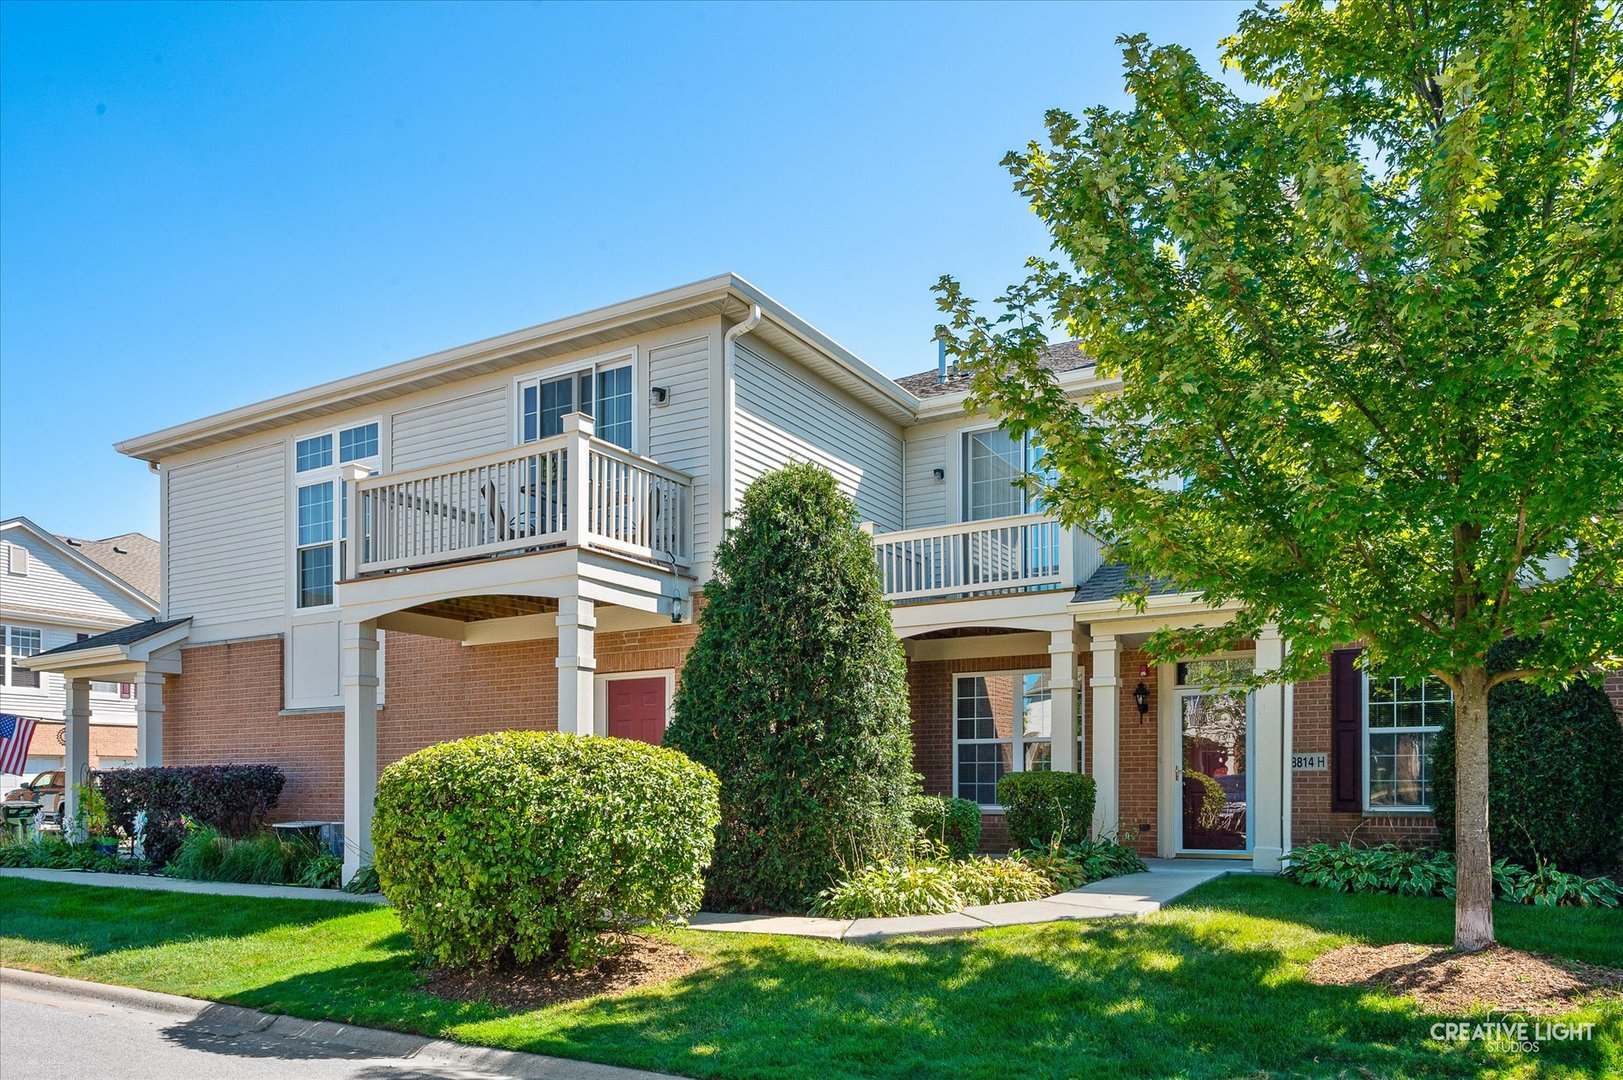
(211, 888)
(67, 1028)
(1130, 894)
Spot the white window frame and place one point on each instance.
(628, 358)
(1029, 504)
(333, 473)
(1412, 729)
(7, 654)
(1016, 740)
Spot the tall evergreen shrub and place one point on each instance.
(795, 695)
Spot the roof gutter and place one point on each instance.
(729, 365)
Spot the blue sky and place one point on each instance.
(202, 206)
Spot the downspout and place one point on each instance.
(729, 366)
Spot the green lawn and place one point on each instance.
(1212, 987)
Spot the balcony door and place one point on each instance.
(994, 465)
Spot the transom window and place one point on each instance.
(20, 643)
(602, 393)
(321, 500)
(1002, 722)
(1400, 720)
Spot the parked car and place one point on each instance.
(46, 789)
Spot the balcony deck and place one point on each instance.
(999, 556)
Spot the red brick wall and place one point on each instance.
(1138, 742)
(1312, 819)
(1614, 690)
(106, 741)
(930, 691)
(227, 704)
(225, 707)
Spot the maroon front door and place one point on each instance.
(637, 708)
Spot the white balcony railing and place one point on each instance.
(998, 555)
(520, 499)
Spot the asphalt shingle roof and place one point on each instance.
(1058, 357)
(1112, 580)
(131, 557)
(124, 635)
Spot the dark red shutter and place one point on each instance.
(1346, 731)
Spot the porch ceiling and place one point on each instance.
(478, 608)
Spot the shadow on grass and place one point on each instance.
(1120, 998)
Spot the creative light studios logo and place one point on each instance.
(1514, 1031)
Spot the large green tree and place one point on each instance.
(795, 694)
(1364, 314)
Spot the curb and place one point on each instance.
(341, 1039)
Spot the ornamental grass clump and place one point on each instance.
(928, 881)
(529, 847)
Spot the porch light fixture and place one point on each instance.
(1141, 698)
(676, 609)
(940, 475)
(661, 395)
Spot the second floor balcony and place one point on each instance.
(1025, 553)
(569, 491)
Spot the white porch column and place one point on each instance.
(578, 429)
(76, 764)
(1106, 684)
(1062, 700)
(1268, 735)
(149, 718)
(358, 678)
(577, 664)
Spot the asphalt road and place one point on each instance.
(55, 1033)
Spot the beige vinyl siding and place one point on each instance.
(225, 540)
(448, 431)
(783, 416)
(679, 431)
(928, 499)
(54, 583)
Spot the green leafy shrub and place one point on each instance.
(795, 694)
(1000, 881)
(926, 881)
(1549, 887)
(1388, 869)
(953, 823)
(1383, 869)
(1046, 808)
(529, 847)
(1555, 774)
(363, 882)
(206, 854)
(236, 800)
(324, 871)
(49, 851)
(1075, 865)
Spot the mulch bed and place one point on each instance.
(1448, 982)
(644, 962)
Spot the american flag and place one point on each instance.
(15, 734)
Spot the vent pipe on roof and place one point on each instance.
(940, 360)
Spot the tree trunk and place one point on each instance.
(1473, 862)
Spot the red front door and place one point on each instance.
(637, 708)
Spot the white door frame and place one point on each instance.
(600, 697)
(1169, 783)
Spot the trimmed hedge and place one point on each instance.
(234, 799)
(1046, 808)
(795, 693)
(529, 847)
(1555, 775)
(955, 824)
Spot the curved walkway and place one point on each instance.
(1130, 894)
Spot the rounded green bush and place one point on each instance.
(1555, 775)
(953, 823)
(531, 847)
(1046, 808)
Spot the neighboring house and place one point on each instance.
(55, 591)
(448, 546)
